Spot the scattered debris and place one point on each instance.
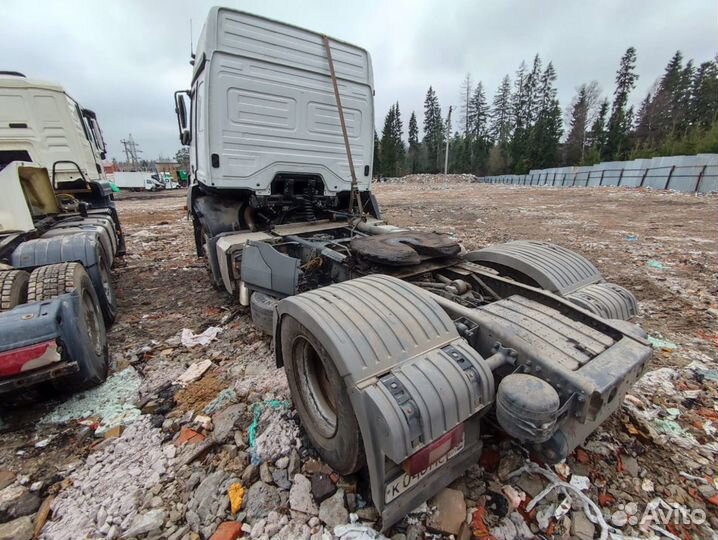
(190, 339)
(655, 264)
(663, 344)
(449, 512)
(108, 405)
(106, 493)
(236, 497)
(194, 372)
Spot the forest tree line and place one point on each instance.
(524, 127)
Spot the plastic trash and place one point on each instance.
(190, 339)
(655, 264)
(354, 531)
(582, 483)
(663, 344)
(236, 497)
(592, 511)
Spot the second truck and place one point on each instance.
(398, 345)
(59, 236)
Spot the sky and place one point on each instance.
(124, 59)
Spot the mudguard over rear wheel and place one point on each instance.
(53, 280)
(321, 398)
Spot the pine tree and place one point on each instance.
(501, 127)
(526, 109)
(376, 162)
(645, 133)
(578, 124)
(478, 141)
(596, 139)
(616, 147)
(414, 150)
(533, 92)
(433, 132)
(546, 132)
(465, 100)
(704, 95)
(519, 106)
(397, 132)
(391, 145)
(388, 156)
(682, 99)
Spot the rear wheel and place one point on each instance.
(13, 288)
(54, 280)
(106, 292)
(321, 398)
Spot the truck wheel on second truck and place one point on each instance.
(109, 302)
(13, 288)
(321, 398)
(56, 279)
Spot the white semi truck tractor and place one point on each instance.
(397, 344)
(59, 237)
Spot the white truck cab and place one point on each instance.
(262, 122)
(263, 105)
(41, 123)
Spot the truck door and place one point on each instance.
(199, 130)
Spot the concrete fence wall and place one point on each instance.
(690, 174)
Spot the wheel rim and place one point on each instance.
(92, 322)
(315, 387)
(106, 284)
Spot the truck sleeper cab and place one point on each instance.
(266, 145)
(41, 123)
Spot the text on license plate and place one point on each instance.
(405, 481)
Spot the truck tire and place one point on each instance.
(262, 309)
(106, 292)
(321, 398)
(56, 279)
(13, 288)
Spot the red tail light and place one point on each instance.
(16, 361)
(434, 451)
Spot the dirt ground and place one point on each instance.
(661, 246)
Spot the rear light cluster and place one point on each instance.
(27, 358)
(434, 451)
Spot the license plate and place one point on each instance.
(406, 481)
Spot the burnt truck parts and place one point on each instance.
(59, 236)
(399, 345)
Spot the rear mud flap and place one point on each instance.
(56, 319)
(411, 380)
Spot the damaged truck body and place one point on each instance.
(399, 345)
(59, 237)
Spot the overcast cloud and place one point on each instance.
(124, 59)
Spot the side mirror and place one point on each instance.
(182, 118)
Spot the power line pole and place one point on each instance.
(131, 152)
